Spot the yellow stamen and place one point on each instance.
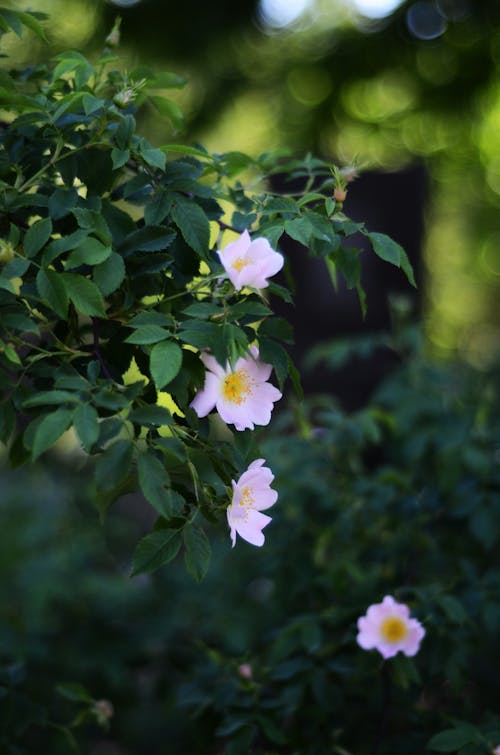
(237, 386)
(239, 264)
(247, 498)
(393, 629)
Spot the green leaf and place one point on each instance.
(50, 430)
(16, 267)
(165, 362)
(93, 222)
(113, 465)
(37, 236)
(192, 223)
(151, 238)
(169, 109)
(46, 398)
(109, 275)
(186, 150)
(119, 157)
(150, 318)
(52, 289)
(153, 481)
(299, 229)
(147, 334)
(86, 422)
(281, 205)
(74, 692)
(61, 202)
(152, 155)
(390, 251)
(84, 294)
(166, 80)
(451, 740)
(198, 551)
(153, 416)
(30, 20)
(20, 322)
(155, 550)
(89, 252)
(271, 352)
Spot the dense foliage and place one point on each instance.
(110, 286)
(111, 289)
(400, 498)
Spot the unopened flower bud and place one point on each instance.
(339, 194)
(124, 97)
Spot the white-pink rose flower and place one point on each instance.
(241, 395)
(250, 263)
(251, 495)
(388, 628)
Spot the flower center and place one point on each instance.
(247, 498)
(237, 386)
(393, 629)
(240, 263)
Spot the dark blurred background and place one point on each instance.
(408, 91)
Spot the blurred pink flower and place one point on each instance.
(250, 263)
(496, 751)
(388, 628)
(251, 494)
(241, 395)
(245, 671)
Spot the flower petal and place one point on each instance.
(206, 398)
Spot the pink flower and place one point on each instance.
(250, 263)
(251, 494)
(496, 751)
(388, 628)
(245, 671)
(241, 395)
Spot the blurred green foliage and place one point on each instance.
(400, 498)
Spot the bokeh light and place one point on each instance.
(376, 8)
(281, 13)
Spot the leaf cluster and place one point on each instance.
(110, 285)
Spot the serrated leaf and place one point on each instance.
(84, 294)
(271, 352)
(165, 362)
(113, 465)
(109, 275)
(192, 223)
(299, 229)
(155, 550)
(52, 289)
(151, 416)
(37, 236)
(390, 251)
(153, 481)
(50, 430)
(147, 334)
(151, 238)
(152, 155)
(86, 422)
(89, 252)
(51, 397)
(198, 552)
